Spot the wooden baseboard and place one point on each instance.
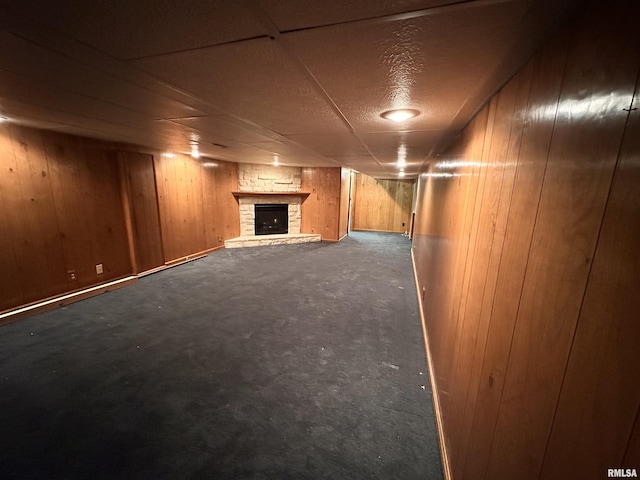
(374, 230)
(62, 300)
(50, 303)
(434, 390)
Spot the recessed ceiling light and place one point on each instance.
(401, 174)
(400, 115)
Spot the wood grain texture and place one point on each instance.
(603, 367)
(527, 263)
(221, 212)
(382, 205)
(496, 202)
(143, 204)
(321, 210)
(62, 210)
(197, 209)
(583, 152)
(546, 71)
(345, 192)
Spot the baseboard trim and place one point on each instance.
(57, 301)
(434, 390)
(62, 300)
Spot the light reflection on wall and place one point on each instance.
(595, 107)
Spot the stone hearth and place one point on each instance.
(266, 184)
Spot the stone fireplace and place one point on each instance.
(270, 185)
(248, 211)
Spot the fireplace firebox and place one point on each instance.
(271, 219)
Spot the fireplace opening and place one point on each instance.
(272, 219)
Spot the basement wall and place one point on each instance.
(69, 203)
(323, 210)
(526, 255)
(60, 214)
(382, 205)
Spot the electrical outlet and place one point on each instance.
(99, 269)
(219, 238)
(71, 275)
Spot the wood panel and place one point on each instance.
(195, 204)
(40, 227)
(526, 261)
(14, 260)
(143, 202)
(321, 210)
(503, 152)
(603, 367)
(345, 192)
(221, 212)
(584, 148)
(61, 212)
(382, 205)
(546, 73)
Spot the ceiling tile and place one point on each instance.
(331, 144)
(252, 80)
(64, 74)
(129, 29)
(288, 15)
(432, 63)
(221, 129)
(416, 145)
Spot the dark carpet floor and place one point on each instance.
(298, 361)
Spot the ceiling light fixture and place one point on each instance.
(400, 115)
(276, 162)
(401, 174)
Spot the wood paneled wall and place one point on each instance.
(381, 205)
(141, 209)
(321, 210)
(60, 211)
(528, 264)
(197, 210)
(345, 192)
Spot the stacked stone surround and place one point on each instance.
(267, 178)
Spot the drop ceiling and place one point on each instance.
(249, 80)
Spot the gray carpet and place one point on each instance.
(298, 361)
